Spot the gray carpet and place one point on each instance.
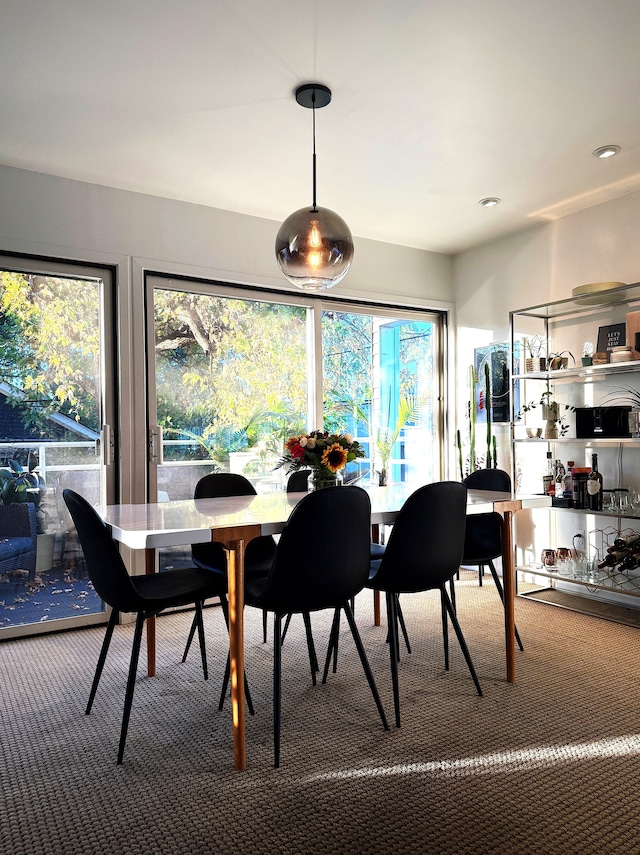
(549, 765)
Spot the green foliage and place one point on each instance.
(50, 331)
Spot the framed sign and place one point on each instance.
(612, 336)
(496, 356)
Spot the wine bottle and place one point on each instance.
(613, 558)
(594, 485)
(621, 541)
(630, 562)
(547, 479)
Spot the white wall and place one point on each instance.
(546, 262)
(50, 215)
(56, 217)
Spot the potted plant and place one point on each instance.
(627, 396)
(554, 414)
(536, 360)
(558, 361)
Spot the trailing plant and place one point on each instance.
(551, 410)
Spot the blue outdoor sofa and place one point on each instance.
(18, 538)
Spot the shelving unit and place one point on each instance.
(563, 327)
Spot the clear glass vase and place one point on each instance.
(319, 479)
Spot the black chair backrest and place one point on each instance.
(489, 479)
(106, 568)
(298, 482)
(220, 484)
(426, 544)
(322, 557)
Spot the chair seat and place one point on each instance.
(376, 551)
(11, 547)
(178, 587)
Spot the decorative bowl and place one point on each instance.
(534, 433)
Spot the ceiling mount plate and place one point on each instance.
(305, 95)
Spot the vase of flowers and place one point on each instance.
(326, 454)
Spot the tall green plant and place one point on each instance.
(473, 464)
(487, 403)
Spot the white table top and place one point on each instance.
(191, 520)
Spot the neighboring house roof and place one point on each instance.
(14, 429)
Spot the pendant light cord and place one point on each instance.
(313, 105)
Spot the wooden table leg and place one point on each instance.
(508, 578)
(235, 574)
(149, 568)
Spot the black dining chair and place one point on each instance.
(146, 596)
(298, 481)
(483, 532)
(423, 554)
(312, 571)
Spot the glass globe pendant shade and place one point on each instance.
(314, 248)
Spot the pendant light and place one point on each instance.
(314, 246)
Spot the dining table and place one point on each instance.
(235, 520)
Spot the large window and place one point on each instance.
(234, 373)
(56, 408)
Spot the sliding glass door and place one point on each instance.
(231, 384)
(56, 431)
(382, 383)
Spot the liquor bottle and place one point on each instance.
(547, 478)
(594, 485)
(567, 484)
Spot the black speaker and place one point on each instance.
(605, 422)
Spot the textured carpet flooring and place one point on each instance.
(549, 765)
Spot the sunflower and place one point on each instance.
(335, 457)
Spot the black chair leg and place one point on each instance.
(192, 632)
(203, 649)
(452, 593)
(101, 659)
(225, 686)
(286, 627)
(496, 579)
(131, 684)
(313, 661)
(194, 625)
(277, 686)
(365, 664)
(445, 628)
(392, 623)
(465, 650)
(480, 574)
(333, 645)
(403, 628)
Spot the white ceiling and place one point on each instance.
(435, 105)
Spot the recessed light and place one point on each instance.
(606, 151)
(489, 202)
